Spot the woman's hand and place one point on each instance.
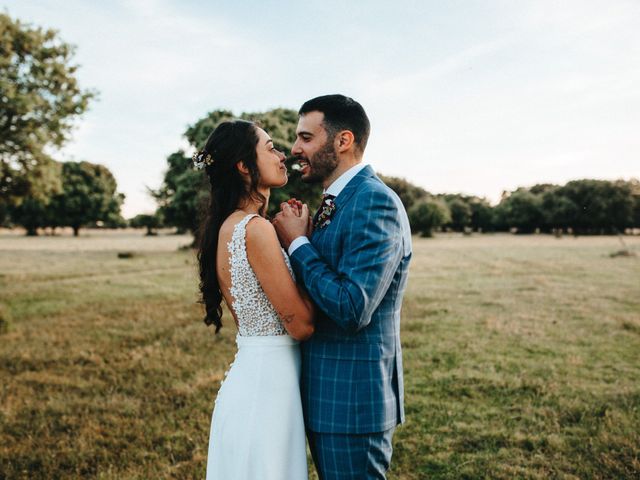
(291, 224)
(297, 207)
(295, 204)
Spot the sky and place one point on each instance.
(472, 97)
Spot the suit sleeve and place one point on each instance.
(372, 251)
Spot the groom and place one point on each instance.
(354, 265)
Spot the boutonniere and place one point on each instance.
(325, 212)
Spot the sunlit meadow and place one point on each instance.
(522, 359)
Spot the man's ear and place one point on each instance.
(344, 140)
(242, 168)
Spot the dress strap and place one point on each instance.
(239, 234)
(243, 223)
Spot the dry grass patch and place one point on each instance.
(521, 359)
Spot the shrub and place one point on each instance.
(5, 319)
(428, 214)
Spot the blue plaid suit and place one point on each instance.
(355, 269)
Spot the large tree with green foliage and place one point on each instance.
(468, 211)
(182, 194)
(481, 214)
(40, 98)
(31, 213)
(602, 206)
(521, 210)
(184, 190)
(89, 196)
(559, 211)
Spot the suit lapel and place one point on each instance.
(344, 196)
(351, 187)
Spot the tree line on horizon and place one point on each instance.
(41, 99)
(581, 206)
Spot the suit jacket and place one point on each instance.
(355, 270)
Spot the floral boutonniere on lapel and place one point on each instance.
(325, 213)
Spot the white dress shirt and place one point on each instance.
(334, 189)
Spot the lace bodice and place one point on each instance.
(256, 316)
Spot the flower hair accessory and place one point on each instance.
(201, 159)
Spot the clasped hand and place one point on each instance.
(292, 221)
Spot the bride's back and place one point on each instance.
(254, 314)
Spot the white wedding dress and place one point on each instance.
(257, 428)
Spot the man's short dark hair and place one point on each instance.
(341, 113)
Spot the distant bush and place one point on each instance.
(580, 206)
(460, 214)
(5, 319)
(150, 222)
(428, 214)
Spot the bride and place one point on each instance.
(257, 427)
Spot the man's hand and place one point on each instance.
(290, 224)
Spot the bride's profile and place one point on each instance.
(257, 427)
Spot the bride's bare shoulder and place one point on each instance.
(261, 232)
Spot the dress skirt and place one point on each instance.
(257, 427)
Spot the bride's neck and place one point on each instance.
(250, 205)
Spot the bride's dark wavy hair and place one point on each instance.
(231, 142)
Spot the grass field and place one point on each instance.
(522, 359)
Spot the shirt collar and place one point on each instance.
(339, 183)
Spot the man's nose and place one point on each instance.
(295, 150)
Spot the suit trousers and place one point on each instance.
(348, 456)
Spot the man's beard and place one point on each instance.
(322, 164)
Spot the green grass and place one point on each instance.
(522, 359)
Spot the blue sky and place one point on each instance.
(463, 96)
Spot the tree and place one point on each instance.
(559, 211)
(460, 211)
(481, 214)
(89, 196)
(40, 100)
(622, 203)
(113, 217)
(634, 186)
(35, 212)
(150, 222)
(407, 191)
(31, 213)
(468, 211)
(427, 214)
(602, 206)
(521, 210)
(182, 194)
(542, 188)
